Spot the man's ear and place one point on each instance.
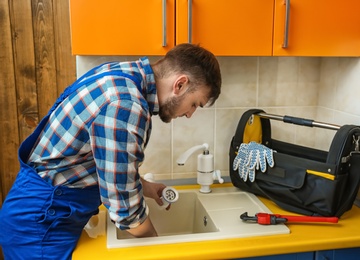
(181, 84)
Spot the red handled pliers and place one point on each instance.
(273, 219)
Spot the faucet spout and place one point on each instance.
(183, 158)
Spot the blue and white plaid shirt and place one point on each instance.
(97, 136)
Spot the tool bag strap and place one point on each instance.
(354, 181)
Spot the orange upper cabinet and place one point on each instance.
(122, 27)
(317, 28)
(227, 27)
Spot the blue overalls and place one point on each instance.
(41, 221)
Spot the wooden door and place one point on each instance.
(318, 28)
(120, 27)
(227, 27)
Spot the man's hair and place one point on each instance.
(199, 64)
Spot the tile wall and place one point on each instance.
(324, 89)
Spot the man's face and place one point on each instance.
(182, 105)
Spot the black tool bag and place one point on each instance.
(303, 180)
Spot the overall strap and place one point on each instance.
(87, 78)
(27, 146)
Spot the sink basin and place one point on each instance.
(187, 216)
(199, 217)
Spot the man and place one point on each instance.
(88, 148)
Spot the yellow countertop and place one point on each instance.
(303, 237)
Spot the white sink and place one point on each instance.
(187, 216)
(199, 217)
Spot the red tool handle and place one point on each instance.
(272, 219)
(309, 219)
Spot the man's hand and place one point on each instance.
(153, 190)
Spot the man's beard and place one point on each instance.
(168, 109)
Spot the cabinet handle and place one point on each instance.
(163, 23)
(189, 21)
(287, 19)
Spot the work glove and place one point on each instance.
(263, 155)
(253, 161)
(251, 157)
(241, 161)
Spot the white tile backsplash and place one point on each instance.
(324, 89)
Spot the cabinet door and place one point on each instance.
(318, 28)
(122, 27)
(227, 27)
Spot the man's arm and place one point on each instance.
(146, 229)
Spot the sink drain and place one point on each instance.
(205, 221)
(170, 195)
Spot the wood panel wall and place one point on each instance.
(36, 66)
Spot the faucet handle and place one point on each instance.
(217, 176)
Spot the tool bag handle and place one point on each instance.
(299, 121)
